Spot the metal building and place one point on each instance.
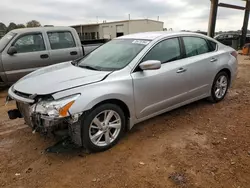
(110, 30)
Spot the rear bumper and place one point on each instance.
(234, 72)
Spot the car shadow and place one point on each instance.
(171, 115)
(139, 128)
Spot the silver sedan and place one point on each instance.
(127, 80)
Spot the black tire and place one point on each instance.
(213, 98)
(86, 123)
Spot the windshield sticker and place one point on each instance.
(144, 42)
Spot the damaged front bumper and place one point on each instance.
(38, 115)
(64, 127)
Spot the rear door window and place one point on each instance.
(212, 45)
(61, 40)
(195, 46)
(30, 43)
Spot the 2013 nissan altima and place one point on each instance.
(125, 81)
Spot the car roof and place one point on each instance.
(36, 29)
(158, 34)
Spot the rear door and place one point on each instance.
(201, 59)
(31, 55)
(62, 46)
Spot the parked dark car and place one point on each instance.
(227, 38)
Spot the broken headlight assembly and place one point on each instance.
(55, 108)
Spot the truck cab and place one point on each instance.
(25, 50)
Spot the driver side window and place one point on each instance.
(165, 51)
(30, 43)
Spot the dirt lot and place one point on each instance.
(199, 145)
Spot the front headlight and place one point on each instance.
(57, 108)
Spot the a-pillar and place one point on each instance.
(212, 18)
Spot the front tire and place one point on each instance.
(220, 87)
(102, 127)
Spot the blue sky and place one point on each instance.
(176, 14)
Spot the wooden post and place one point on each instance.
(212, 18)
(245, 24)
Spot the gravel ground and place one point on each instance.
(199, 145)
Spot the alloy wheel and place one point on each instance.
(105, 128)
(221, 87)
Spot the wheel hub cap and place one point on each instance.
(221, 87)
(105, 128)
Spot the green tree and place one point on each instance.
(3, 27)
(11, 26)
(33, 23)
(20, 26)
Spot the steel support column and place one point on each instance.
(212, 18)
(245, 23)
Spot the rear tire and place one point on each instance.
(220, 87)
(102, 127)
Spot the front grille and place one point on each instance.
(24, 95)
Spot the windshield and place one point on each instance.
(5, 40)
(113, 55)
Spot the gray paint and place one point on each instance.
(14, 67)
(56, 78)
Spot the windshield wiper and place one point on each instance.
(88, 67)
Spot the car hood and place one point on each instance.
(57, 78)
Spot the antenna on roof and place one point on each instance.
(128, 16)
(158, 17)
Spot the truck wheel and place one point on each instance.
(102, 127)
(220, 87)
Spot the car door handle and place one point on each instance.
(181, 70)
(73, 53)
(213, 59)
(44, 56)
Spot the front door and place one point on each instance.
(157, 90)
(31, 55)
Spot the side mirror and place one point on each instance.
(150, 65)
(12, 50)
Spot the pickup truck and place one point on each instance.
(25, 50)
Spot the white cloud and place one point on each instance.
(177, 14)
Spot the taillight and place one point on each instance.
(235, 54)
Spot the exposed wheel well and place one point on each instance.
(228, 73)
(122, 105)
